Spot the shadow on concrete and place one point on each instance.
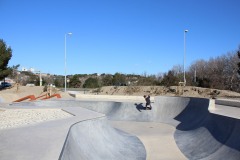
(202, 134)
(140, 107)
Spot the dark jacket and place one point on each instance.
(148, 100)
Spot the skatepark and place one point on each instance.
(118, 128)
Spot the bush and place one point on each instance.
(91, 83)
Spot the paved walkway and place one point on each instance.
(228, 111)
(40, 141)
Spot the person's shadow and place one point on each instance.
(140, 107)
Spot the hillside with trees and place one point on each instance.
(222, 72)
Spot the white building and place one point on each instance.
(24, 69)
(28, 70)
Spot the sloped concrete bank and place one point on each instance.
(97, 140)
(199, 134)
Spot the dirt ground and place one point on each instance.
(187, 91)
(12, 94)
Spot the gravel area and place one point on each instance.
(12, 118)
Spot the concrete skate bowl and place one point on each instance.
(199, 134)
(96, 139)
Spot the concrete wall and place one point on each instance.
(117, 98)
(233, 103)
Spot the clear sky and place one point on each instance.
(127, 36)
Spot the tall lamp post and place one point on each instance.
(184, 58)
(66, 60)
(40, 77)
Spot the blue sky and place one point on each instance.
(109, 36)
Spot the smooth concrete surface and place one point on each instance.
(206, 137)
(97, 140)
(228, 102)
(116, 98)
(41, 141)
(226, 111)
(157, 138)
(165, 109)
(198, 133)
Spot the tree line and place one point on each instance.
(222, 72)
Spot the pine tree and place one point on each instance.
(5, 56)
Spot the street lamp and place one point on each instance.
(40, 77)
(66, 59)
(184, 57)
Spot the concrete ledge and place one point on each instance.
(212, 104)
(111, 97)
(226, 102)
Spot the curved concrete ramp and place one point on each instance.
(165, 109)
(210, 137)
(97, 140)
(199, 134)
